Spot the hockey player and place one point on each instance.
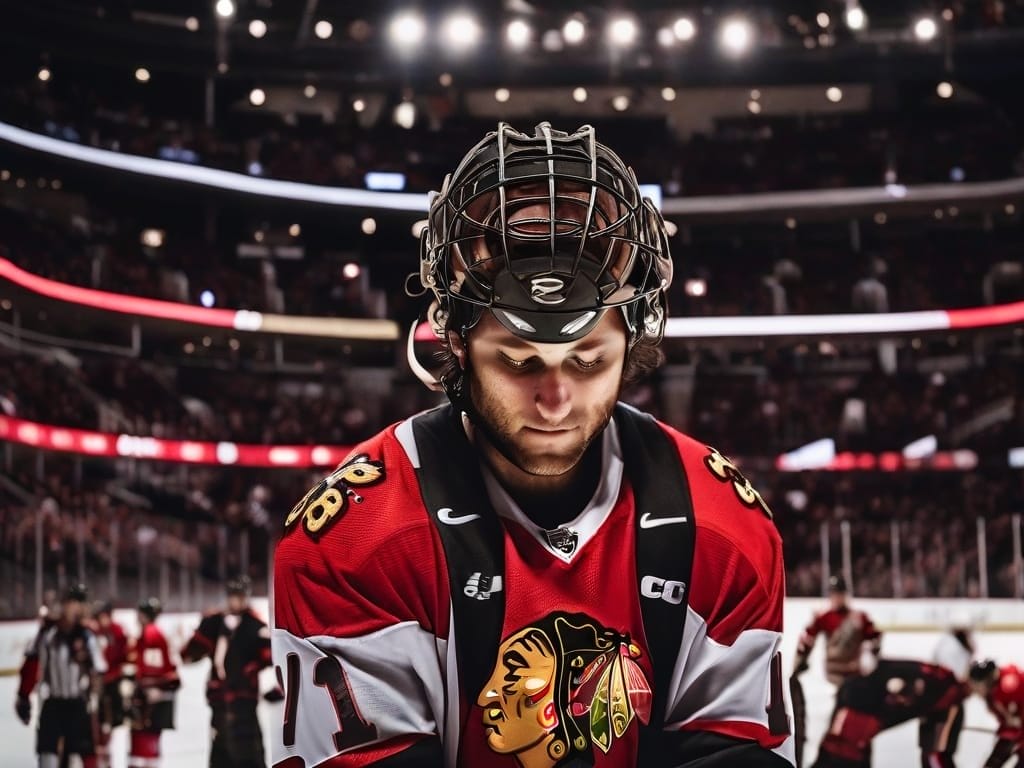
(896, 691)
(237, 641)
(849, 636)
(939, 733)
(1003, 691)
(66, 663)
(506, 581)
(114, 645)
(156, 680)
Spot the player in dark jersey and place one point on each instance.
(114, 645)
(1003, 691)
(534, 575)
(66, 664)
(156, 681)
(896, 691)
(848, 635)
(237, 642)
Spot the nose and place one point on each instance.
(553, 397)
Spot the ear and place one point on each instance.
(458, 348)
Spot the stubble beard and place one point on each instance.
(500, 430)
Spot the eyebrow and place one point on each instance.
(519, 344)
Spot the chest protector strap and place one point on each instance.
(471, 533)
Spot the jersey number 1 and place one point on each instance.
(328, 674)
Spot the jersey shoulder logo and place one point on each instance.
(327, 500)
(727, 472)
(562, 688)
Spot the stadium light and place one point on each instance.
(684, 29)
(368, 225)
(834, 94)
(407, 30)
(622, 32)
(501, 95)
(696, 287)
(574, 30)
(192, 24)
(225, 8)
(358, 105)
(754, 107)
(405, 114)
(668, 93)
(518, 34)
(309, 91)
(351, 270)
(823, 20)
(620, 103)
(736, 35)
(579, 94)
(295, 230)
(152, 237)
(257, 97)
(925, 29)
(207, 299)
(323, 29)
(460, 31)
(856, 19)
(257, 28)
(944, 90)
(44, 74)
(142, 75)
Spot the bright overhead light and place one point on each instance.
(856, 18)
(736, 35)
(754, 107)
(620, 103)
(405, 114)
(207, 299)
(368, 225)
(668, 93)
(834, 94)
(309, 91)
(684, 28)
(622, 32)
(445, 79)
(666, 38)
(257, 28)
(295, 230)
(225, 8)
(696, 287)
(944, 89)
(351, 270)
(755, 94)
(191, 23)
(461, 31)
(358, 105)
(579, 94)
(44, 74)
(574, 30)
(142, 75)
(823, 20)
(257, 97)
(518, 33)
(152, 238)
(323, 29)
(925, 29)
(407, 30)
(502, 95)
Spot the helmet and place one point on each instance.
(101, 607)
(837, 584)
(982, 671)
(78, 593)
(239, 585)
(151, 607)
(548, 232)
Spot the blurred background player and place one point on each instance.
(66, 663)
(849, 635)
(1003, 691)
(896, 691)
(939, 733)
(237, 641)
(114, 645)
(156, 680)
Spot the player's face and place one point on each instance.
(518, 700)
(237, 603)
(72, 610)
(838, 600)
(543, 404)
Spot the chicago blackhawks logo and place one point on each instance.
(727, 472)
(328, 499)
(562, 687)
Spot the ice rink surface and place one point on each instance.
(187, 746)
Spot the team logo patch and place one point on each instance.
(726, 472)
(563, 539)
(326, 501)
(562, 688)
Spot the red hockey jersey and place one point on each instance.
(366, 646)
(845, 630)
(154, 667)
(1007, 703)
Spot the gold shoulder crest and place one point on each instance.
(327, 500)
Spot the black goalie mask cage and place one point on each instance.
(548, 232)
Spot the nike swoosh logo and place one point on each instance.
(444, 514)
(647, 522)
